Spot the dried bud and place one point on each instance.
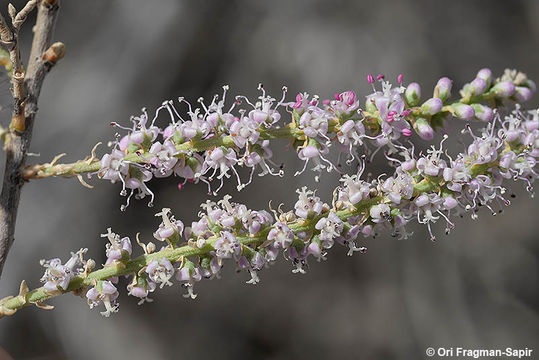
(150, 248)
(90, 264)
(11, 10)
(18, 122)
(54, 53)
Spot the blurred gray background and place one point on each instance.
(473, 288)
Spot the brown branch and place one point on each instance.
(19, 141)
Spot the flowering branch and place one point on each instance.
(171, 254)
(209, 144)
(423, 188)
(26, 87)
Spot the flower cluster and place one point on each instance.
(57, 275)
(427, 187)
(211, 141)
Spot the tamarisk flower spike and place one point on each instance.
(425, 187)
(440, 186)
(209, 142)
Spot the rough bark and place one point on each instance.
(19, 141)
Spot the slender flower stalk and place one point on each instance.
(210, 142)
(427, 188)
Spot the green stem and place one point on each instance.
(93, 165)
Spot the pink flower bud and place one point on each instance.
(432, 106)
(522, 94)
(366, 230)
(485, 74)
(408, 165)
(310, 151)
(258, 115)
(463, 111)
(314, 249)
(503, 89)
(413, 94)
(423, 129)
(450, 203)
(442, 90)
(483, 113)
(478, 86)
(421, 200)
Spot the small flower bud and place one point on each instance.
(150, 248)
(507, 160)
(503, 89)
(423, 129)
(485, 74)
(413, 94)
(366, 230)
(450, 203)
(432, 106)
(90, 264)
(408, 165)
(310, 151)
(522, 94)
(482, 112)
(421, 200)
(314, 249)
(477, 87)
(531, 85)
(442, 90)
(463, 111)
